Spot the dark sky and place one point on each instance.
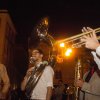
(66, 17)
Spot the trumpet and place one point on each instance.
(75, 42)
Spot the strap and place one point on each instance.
(34, 80)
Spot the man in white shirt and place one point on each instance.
(91, 42)
(43, 88)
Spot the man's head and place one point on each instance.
(37, 54)
(60, 82)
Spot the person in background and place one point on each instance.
(4, 82)
(91, 42)
(59, 90)
(43, 88)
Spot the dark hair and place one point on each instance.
(40, 51)
(60, 80)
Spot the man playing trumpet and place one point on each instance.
(92, 43)
(90, 84)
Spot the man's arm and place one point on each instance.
(49, 93)
(5, 79)
(24, 82)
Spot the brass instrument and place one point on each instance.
(41, 29)
(75, 42)
(78, 75)
(42, 32)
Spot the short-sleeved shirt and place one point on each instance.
(46, 80)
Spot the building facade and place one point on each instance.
(7, 43)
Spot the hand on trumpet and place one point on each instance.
(90, 40)
(79, 83)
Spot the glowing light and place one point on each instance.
(68, 52)
(62, 45)
(46, 22)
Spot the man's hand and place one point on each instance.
(24, 82)
(29, 72)
(90, 40)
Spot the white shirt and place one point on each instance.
(45, 81)
(97, 59)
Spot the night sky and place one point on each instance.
(66, 17)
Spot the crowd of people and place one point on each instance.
(38, 81)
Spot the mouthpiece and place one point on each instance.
(45, 63)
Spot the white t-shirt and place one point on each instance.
(45, 81)
(97, 59)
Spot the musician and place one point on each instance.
(91, 42)
(4, 82)
(43, 88)
(90, 84)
